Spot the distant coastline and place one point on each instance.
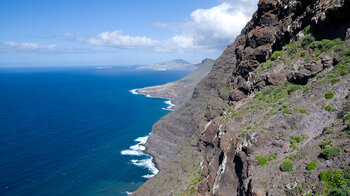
(168, 101)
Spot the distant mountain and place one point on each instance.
(177, 64)
(181, 90)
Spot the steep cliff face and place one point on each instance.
(275, 104)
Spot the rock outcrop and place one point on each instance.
(275, 104)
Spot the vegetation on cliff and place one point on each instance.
(276, 121)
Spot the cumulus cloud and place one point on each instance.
(118, 39)
(29, 47)
(208, 29)
(216, 27)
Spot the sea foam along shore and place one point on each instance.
(139, 148)
(146, 160)
(168, 101)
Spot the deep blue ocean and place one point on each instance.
(63, 130)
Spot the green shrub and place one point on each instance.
(329, 131)
(193, 190)
(272, 157)
(286, 111)
(251, 127)
(329, 95)
(287, 165)
(243, 132)
(292, 145)
(335, 80)
(315, 58)
(325, 44)
(325, 175)
(330, 151)
(284, 106)
(290, 44)
(265, 160)
(276, 55)
(343, 68)
(320, 76)
(292, 51)
(306, 30)
(267, 65)
(225, 90)
(335, 183)
(311, 166)
(297, 139)
(293, 87)
(302, 54)
(195, 181)
(329, 108)
(347, 117)
(325, 143)
(301, 110)
(259, 96)
(307, 40)
(346, 52)
(261, 160)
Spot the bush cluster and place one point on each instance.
(267, 65)
(287, 165)
(329, 95)
(276, 55)
(311, 166)
(336, 182)
(307, 40)
(301, 110)
(330, 151)
(265, 160)
(329, 108)
(286, 111)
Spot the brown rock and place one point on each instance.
(236, 95)
(276, 78)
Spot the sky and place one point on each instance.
(117, 32)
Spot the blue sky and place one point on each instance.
(117, 32)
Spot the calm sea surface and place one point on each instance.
(72, 131)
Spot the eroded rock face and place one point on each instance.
(225, 139)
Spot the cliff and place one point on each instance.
(181, 90)
(272, 117)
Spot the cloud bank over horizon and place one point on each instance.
(208, 29)
(205, 32)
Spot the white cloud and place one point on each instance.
(208, 29)
(119, 40)
(216, 27)
(26, 46)
(29, 47)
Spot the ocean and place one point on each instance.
(77, 131)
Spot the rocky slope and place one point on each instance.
(272, 117)
(181, 90)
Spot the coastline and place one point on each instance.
(138, 151)
(140, 158)
(168, 101)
